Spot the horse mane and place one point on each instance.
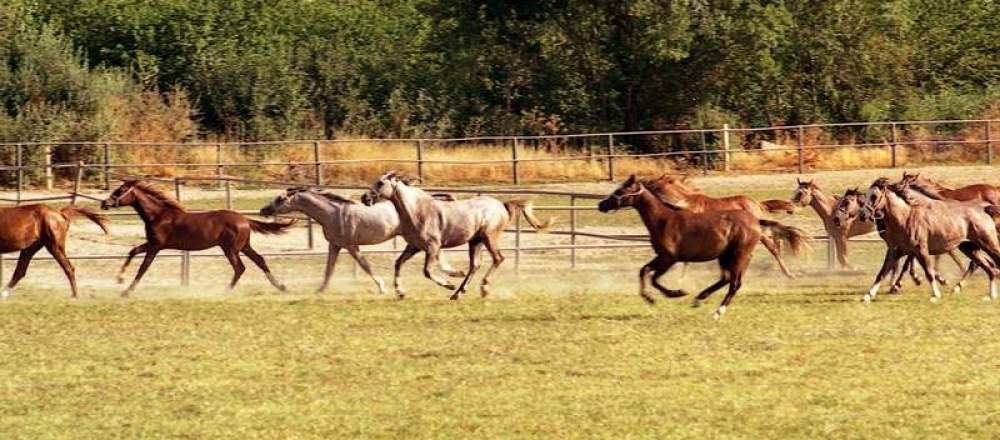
(334, 198)
(931, 183)
(156, 193)
(922, 188)
(653, 185)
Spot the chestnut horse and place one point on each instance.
(170, 226)
(680, 235)
(29, 228)
(980, 191)
(674, 191)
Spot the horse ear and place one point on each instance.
(812, 182)
(798, 181)
(630, 180)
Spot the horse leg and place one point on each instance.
(840, 245)
(446, 267)
(704, 294)
(898, 274)
(408, 253)
(890, 261)
(492, 245)
(238, 267)
(363, 262)
(924, 258)
(660, 267)
(333, 251)
(146, 262)
(430, 262)
(22, 268)
(140, 249)
(259, 261)
(58, 252)
(977, 258)
(937, 267)
(735, 268)
(475, 247)
(775, 249)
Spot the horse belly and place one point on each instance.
(186, 236)
(15, 236)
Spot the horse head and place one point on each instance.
(803, 194)
(623, 196)
(875, 200)
(384, 187)
(124, 195)
(848, 207)
(281, 204)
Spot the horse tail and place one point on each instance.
(271, 228)
(524, 207)
(778, 206)
(796, 238)
(72, 211)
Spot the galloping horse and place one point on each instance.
(980, 191)
(673, 191)
(170, 226)
(29, 228)
(347, 224)
(679, 235)
(931, 228)
(808, 194)
(430, 225)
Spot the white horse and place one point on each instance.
(347, 224)
(430, 225)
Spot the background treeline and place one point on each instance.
(172, 70)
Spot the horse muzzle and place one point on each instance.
(606, 205)
(369, 198)
(267, 211)
(108, 204)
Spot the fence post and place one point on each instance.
(725, 146)
(185, 255)
(572, 231)
(76, 183)
(831, 253)
(420, 160)
(220, 170)
(704, 155)
(989, 143)
(611, 157)
(893, 146)
(20, 171)
(229, 194)
(317, 164)
(516, 163)
(517, 245)
(47, 152)
(106, 167)
(801, 147)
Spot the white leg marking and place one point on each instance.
(380, 283)
(993, 290)
(871, 292)
(936, 289)
(4, 293)
(718, 313)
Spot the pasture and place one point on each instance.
(552, 353)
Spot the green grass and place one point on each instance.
(553, 353)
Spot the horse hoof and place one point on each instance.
(120, 280)
(957, 289)
(648, 300)
(934, 299)
(454, 296)
(281, 288)
(4, 294)
(400, 296)
(718, 313)
(867, 298)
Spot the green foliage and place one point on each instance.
(262, 70)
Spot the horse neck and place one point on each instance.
(315, 208)
(896, 209)
(405, 199)
(150, 209)
(652, 211)
(821, 203)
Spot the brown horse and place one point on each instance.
(980, 191)
(679, 235)
(674, 191)
(809, 194)
(29, 228)
(170, 226)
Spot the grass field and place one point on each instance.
(554, 353)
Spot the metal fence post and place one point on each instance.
(989, 143)
(572, 231)
(76, 183)
(185, 255)
(229, 194)
(893, 146)
(20, 171)
(318, 165)
(516, 163)
(47, 160)
(420, 160)
(611, 157)
(517, 245)
(801, 147)
(106, 167)
(725, 146)
(831, 253)
(704, 155)
(220, 169)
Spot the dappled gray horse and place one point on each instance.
(925, 229)
(430, 225)
(347, 224)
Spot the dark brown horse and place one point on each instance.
(980, 191)
(679, 235)
(29, 228)
(170, 226)
(675, 191)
